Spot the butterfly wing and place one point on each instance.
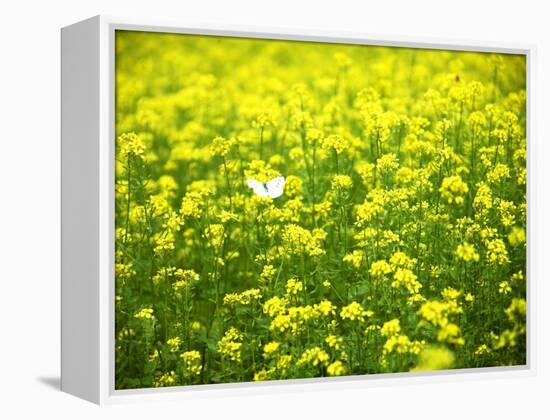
(257, 187)
(275, 187)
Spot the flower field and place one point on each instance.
(399, 243)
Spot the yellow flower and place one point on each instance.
(341, 182)
(497, 253)
(404, 277)
(507, 209)
(324, 308)
(230, 345)
(498, 173)
(336, 368)
(164, 242)
(453, 188)
(450, 294)
(467, 252)
(293, 186)
(402, 344)
(504, 287)
(517, 236)
(450, 333)
(244, 298)
(221, 146)
(193, 203)
(354, 311)
(264, 374)
(166, 379)
(355, 258)
(174, 344)
(293, 286)
(131, 145)
(154, 357)
(267, 273)
(335, 143)
(483, 201)
(192, 362)
(299, 241)
(271, 348)
(263, 119)
(145, 313)
(434, 358)
(334, 342)
(184, 278)
(390, 328)
(387, 163)
(482, 350)
(215, 235)
(439, 314)
(260, 171)
(380, 268)
(400, 259)
(314, 356)
(280, 323)
(518, 276)
(274, 306)
(283, 363)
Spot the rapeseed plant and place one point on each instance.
(398, 244)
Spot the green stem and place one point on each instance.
(127, 224)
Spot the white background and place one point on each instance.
(29, 205)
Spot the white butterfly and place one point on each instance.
(271, 189)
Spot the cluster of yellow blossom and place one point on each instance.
(230, 345)
(517, 236)
(400, 344)
(467, 252)
(300, 241)
(380, 268)
(244, 298)
(271, 348)
(180, 277)
(221, 146)
(497, 253)
(355, 311)
(183, 278)
(341, 182)
(453, 189)
(335, 143)
(192, 362)
(355, 258)
(334, 342)
(131, 145)
(294, 318)
(396, 342)
(434, 358)
(294, 286)
(404, 277)
(174, 344)
(439, 313)
(166, 379)
(145, 313)
(314, 356)
(390, 328)
(193, 203)
(336, 368)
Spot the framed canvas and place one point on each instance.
(249, 210)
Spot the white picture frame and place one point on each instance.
(87, 93)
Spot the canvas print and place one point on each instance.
(290, 210)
